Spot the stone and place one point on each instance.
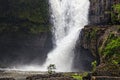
(100, 11)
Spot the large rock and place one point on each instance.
(87, 46)
(93, 41)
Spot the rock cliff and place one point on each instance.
(100, 11)
(25, 35)
(101, 43)
(26, 49)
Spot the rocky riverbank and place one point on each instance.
(32, 75)
(95, 38)
(17, 75)
(22, 75)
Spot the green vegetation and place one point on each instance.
(115, 14)
(113, 47)
(92, 33)
(79, 76)
(51, 68)
(112, 51)
(104, 44)
(94, 66)
(35, 11)
(24, 16)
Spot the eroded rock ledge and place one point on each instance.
(94, 40)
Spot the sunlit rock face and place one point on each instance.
(100, 11)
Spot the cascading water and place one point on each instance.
(69, 17)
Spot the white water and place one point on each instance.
(69, 17)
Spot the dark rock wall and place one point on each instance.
(83, 58)
(100, 11)
(25, 35)
(21, 49)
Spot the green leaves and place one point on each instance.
(113, 47)
(117, 7)
(51, 68)
(94, 66)
(115, 14)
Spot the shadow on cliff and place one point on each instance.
(20, 49)
(83, 57)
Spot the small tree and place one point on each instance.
(51, 68)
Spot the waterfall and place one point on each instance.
(68, 17)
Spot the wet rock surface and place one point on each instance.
(31, 75)
(19, 49)
(17, 75)
(57, 76)
(25, 75)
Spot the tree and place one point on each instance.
(51, 68)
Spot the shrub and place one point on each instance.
(94, 65)
(51, 68)
(115, 14)
(112, 47)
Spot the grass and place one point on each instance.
(77, 77)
